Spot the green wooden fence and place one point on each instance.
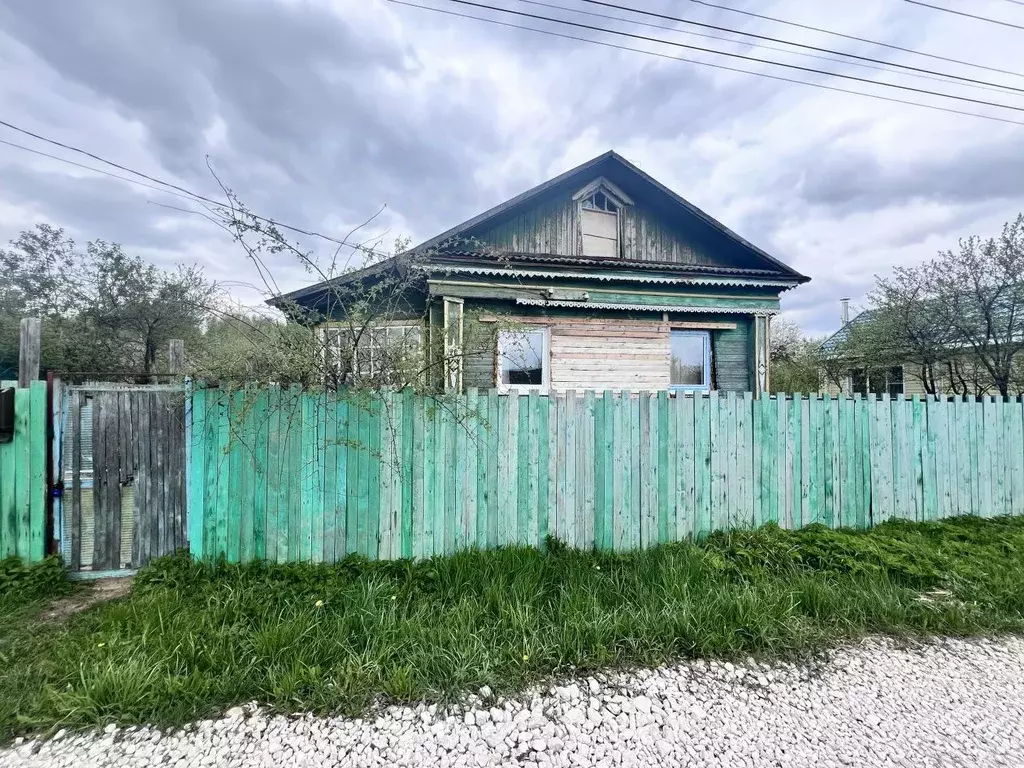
(23, 477)
(286, 475)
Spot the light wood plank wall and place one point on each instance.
(609, 353)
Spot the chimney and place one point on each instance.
(844, 311)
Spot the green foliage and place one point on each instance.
(102, 308)
(795, 363)
(195, 638)
(22, 583)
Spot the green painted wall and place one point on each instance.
(732, 356)
(400, 475)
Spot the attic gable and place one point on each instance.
(649, 224)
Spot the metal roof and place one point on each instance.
(832, 343)
(607, 276)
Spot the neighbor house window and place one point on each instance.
(392, 354)
(523, 359)
(691, 360)
(599, 219)
(877, 381)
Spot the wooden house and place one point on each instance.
(600, 278)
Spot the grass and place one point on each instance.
(195, 638)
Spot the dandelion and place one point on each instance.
(100, 645)
(526, 657)
(394, 597)
(319, 603)
(598, 567)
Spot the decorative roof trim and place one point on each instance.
(645, 307)
(605, 277)
(602, 183)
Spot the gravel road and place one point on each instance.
(951, 703)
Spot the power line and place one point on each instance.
(779, 78)
(823, 31)
(691, 22)
(667, 28)
(968, 15)
(185, 192)
(95, 170)
(716, 52)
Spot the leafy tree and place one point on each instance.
(138, 307)
(794, 361)
(955, 321)
(102, 309)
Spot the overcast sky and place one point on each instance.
(318, 113)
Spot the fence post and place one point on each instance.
(176, 356)
(30, 344)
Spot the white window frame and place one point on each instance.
(616, 197)
(706, 336)
(545, 359)
(331, 348)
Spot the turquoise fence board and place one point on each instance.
(289, 475)
(23, 488)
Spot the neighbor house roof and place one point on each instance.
(833, 342)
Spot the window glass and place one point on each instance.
(522, 358)
(877, 381)
(389, 351)
(690, 360)
(895, 381)
(859, 380)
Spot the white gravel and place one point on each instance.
(951, 703)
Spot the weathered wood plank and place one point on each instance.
(525, 457)
(77, 399)
(246, 467)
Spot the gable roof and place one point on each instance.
(832, 343)
(634, 182)
(629, 181)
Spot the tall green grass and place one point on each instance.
(194, 638)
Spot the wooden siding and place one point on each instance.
(553, 228)
(609, 354)
(613, 353)
(478, 361)
(406, 476)
(732, 353)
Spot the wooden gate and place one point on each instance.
(122, 463)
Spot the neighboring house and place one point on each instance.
(898, 380)
(856, 379)
(606, 278)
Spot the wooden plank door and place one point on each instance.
(124, 476)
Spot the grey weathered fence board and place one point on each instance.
(138, 474)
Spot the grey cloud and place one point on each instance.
(98, 208)
(297, 88)
(851, 181)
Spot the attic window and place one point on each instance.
(599, 201)
(599, 222)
